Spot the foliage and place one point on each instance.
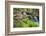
(25, 21)
(22, 9)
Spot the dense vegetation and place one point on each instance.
(25, 21)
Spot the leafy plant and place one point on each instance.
(25, 22)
